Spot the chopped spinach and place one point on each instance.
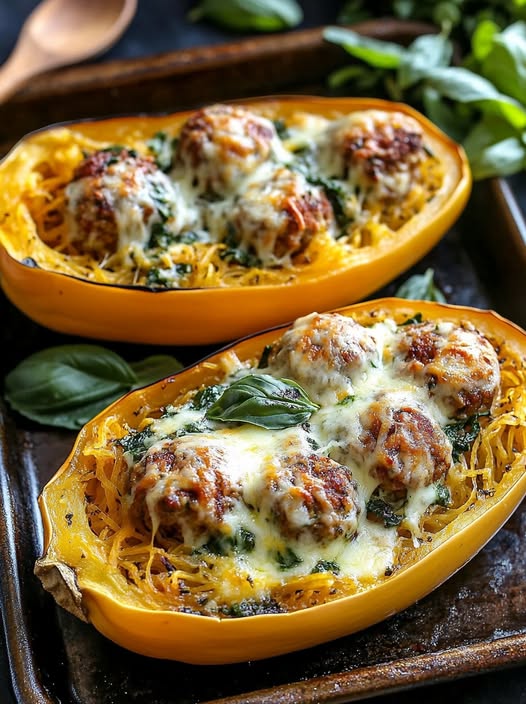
(207, 396)
(413, 320)
(166, 277)
(252, 607)
(163, 148)
(287, 559)
(463, 433)
(281, 128)
(136, 443)
(443, 495)
(381, 509)
(326, 566)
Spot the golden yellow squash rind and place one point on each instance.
(203, 316)
(86, 586)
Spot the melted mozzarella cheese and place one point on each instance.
(331, 431)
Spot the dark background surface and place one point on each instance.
(160, 26)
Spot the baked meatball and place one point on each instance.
(181, 488)
(401, 445)
(309, 495)
(222, 144)
(458, 364)
(277, 217)
(114, 199)
(377, 151)
(324, 353)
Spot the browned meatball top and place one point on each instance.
(310, 495)
(324, 352)
(220, 144)
(114, 198)
(276, 218)
(402, 446)
(378, 151)
(459, 365)
(181, 487)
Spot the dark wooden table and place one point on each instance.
(161, 26)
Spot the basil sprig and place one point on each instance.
(67, 385)
(421, 287)
(264, 401)
(243, 15)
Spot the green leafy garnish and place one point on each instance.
(287, 559)
(264, 401)
(481, 104)
(413, 320)
(421, 287)
(167, 278)
(326, 566)
(246, 15)
(443, 495)
(163, 148)
(67, 385)
(136, 443)
(207, 396)
(243, 541)
(463, 434)
(252, 607)
(384, 511)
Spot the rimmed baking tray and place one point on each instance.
(475, 622)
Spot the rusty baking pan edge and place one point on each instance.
(367, 682)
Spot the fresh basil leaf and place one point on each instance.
(464, 86)
(355, 73)
(482, 39)
(505, 64)
(264, 401)
(501, 159)
(445, 116)
(67, 385)
(153, 368)
(494, 148)
(424, 53)
(421, 287)
(374, 52)
(243, 15)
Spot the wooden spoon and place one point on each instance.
(62, 32)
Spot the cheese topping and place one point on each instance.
(232, 198)
(273, 503)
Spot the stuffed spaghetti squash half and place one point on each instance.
(204, 226)
(295, 487)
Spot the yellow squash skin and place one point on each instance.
(75, 569)
(203, 316)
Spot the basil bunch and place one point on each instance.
(481, 104)
(248, 15)
(421, 287)
(67, 385)
(264, 401)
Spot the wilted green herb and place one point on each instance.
(463, 434)
(421, 287)
(384, 511)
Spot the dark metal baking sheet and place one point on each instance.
(475, 622)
